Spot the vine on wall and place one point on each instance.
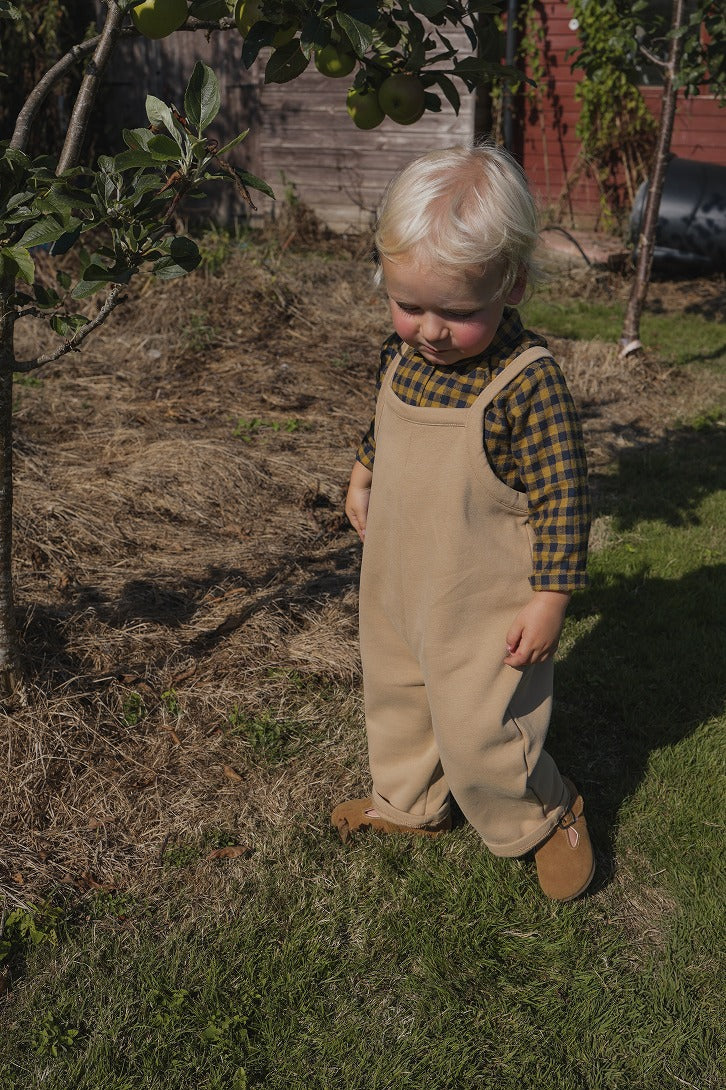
(616, 129)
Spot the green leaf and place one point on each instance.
(137, 139)
(260, 35)
(233, 143)
(19, 261)
(45, 297)
(84, 288)
(125, 160)
(63, 244)
(63, 279)
(46, 230)
(429, 8)
(286, 63)
(253, 182)
(159, 113)
(360, 34)
(24, 198)
(201, 98)
(449, 89)
(164, 149)
(98, 273)
(183, 256)
(68, 324)
(314, 34)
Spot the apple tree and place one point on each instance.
(117, 215)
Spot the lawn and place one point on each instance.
(178, 912)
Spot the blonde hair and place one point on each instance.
(462, 208)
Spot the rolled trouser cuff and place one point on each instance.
(433, 820)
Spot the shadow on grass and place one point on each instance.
(295, 581)
(665, 481)
(652, 666)
(649, 670)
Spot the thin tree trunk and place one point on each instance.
(8, 633)
(89, 88)
(630, 337)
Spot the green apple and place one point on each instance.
(334, 62)
(401, 98)
(414, 117)
(364, 108)
(247, 13)
(157, 18)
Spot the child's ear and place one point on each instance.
(516, 295)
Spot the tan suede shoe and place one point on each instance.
(358, 814)
(565, 863)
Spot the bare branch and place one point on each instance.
(89, 88)
(652, 57)
(209, 24)
(112, 300)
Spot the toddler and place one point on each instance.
(470, 494)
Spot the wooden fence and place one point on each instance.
(301, 140)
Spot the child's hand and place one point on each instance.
(535, 632)
(359, 494)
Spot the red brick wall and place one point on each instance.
(549, 147)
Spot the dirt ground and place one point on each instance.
(186, 579)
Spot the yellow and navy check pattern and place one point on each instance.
(532, 438)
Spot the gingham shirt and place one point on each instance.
(532, 438)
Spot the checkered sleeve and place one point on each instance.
(548, 449)
(367, 449)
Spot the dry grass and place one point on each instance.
(184, 569)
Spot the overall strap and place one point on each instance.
(518, 364)
(403, 353)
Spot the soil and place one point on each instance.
(185, 576)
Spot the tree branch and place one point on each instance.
(112, 300)
(657, 61)
(40, 92)
(630, 337)
(89, 88)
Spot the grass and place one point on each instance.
(392, 964)
(679, 338)
(260, 954)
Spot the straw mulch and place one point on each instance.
(186, 580)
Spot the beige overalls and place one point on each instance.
(445, 570)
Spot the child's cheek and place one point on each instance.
(475, 336)
(404, 325)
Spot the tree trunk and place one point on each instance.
(630, 337)
(8, 633)
(88, 92)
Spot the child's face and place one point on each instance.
(446, 316)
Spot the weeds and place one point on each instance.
(246, 430)
(51, 1037)
(268, 736)
(26, 929)
(133, 709)
(170, 700)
